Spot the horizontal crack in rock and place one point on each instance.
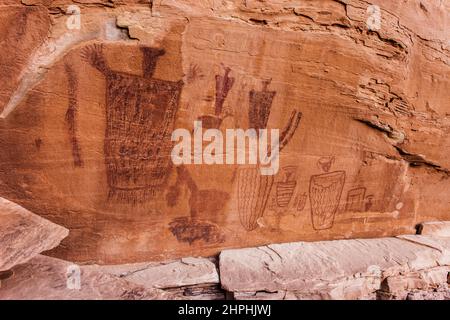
(417, 160)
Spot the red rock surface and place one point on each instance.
(24, 235)
(409, 267)
(45, 278)
(369, 157)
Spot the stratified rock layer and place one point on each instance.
(188, 278)
(387, 268)
(24, 235)
(45, 278)
(86, 117)
(408, 267)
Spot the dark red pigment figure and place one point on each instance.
(140, 115)
(253, 188)
(204, 205)
(260, 104)
(325, 192)
(71, 115)
(223, 86)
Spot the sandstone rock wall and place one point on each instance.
(408, 267)
(87, 114)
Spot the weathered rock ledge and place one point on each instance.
(388, 268)
(23, 235)
(405, 267)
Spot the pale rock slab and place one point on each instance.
(187, 278)
(439, 294)
(435, 228)
(23, 234)
(442, 244)
(45, 278)
(342, 269)
(401, 286)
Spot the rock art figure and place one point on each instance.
(355, 200)
(288, 132)
(204, 204)
(223, 86)
(260, 105)
(71, 115)
(253, 193)
(253, 188)
(325, 163)
(188, 230)
(325, 192)
(284, 191)
(150, 58)
(140, 115)
(194, 73)
(368, 204)
(285, 188)
(301, 201)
